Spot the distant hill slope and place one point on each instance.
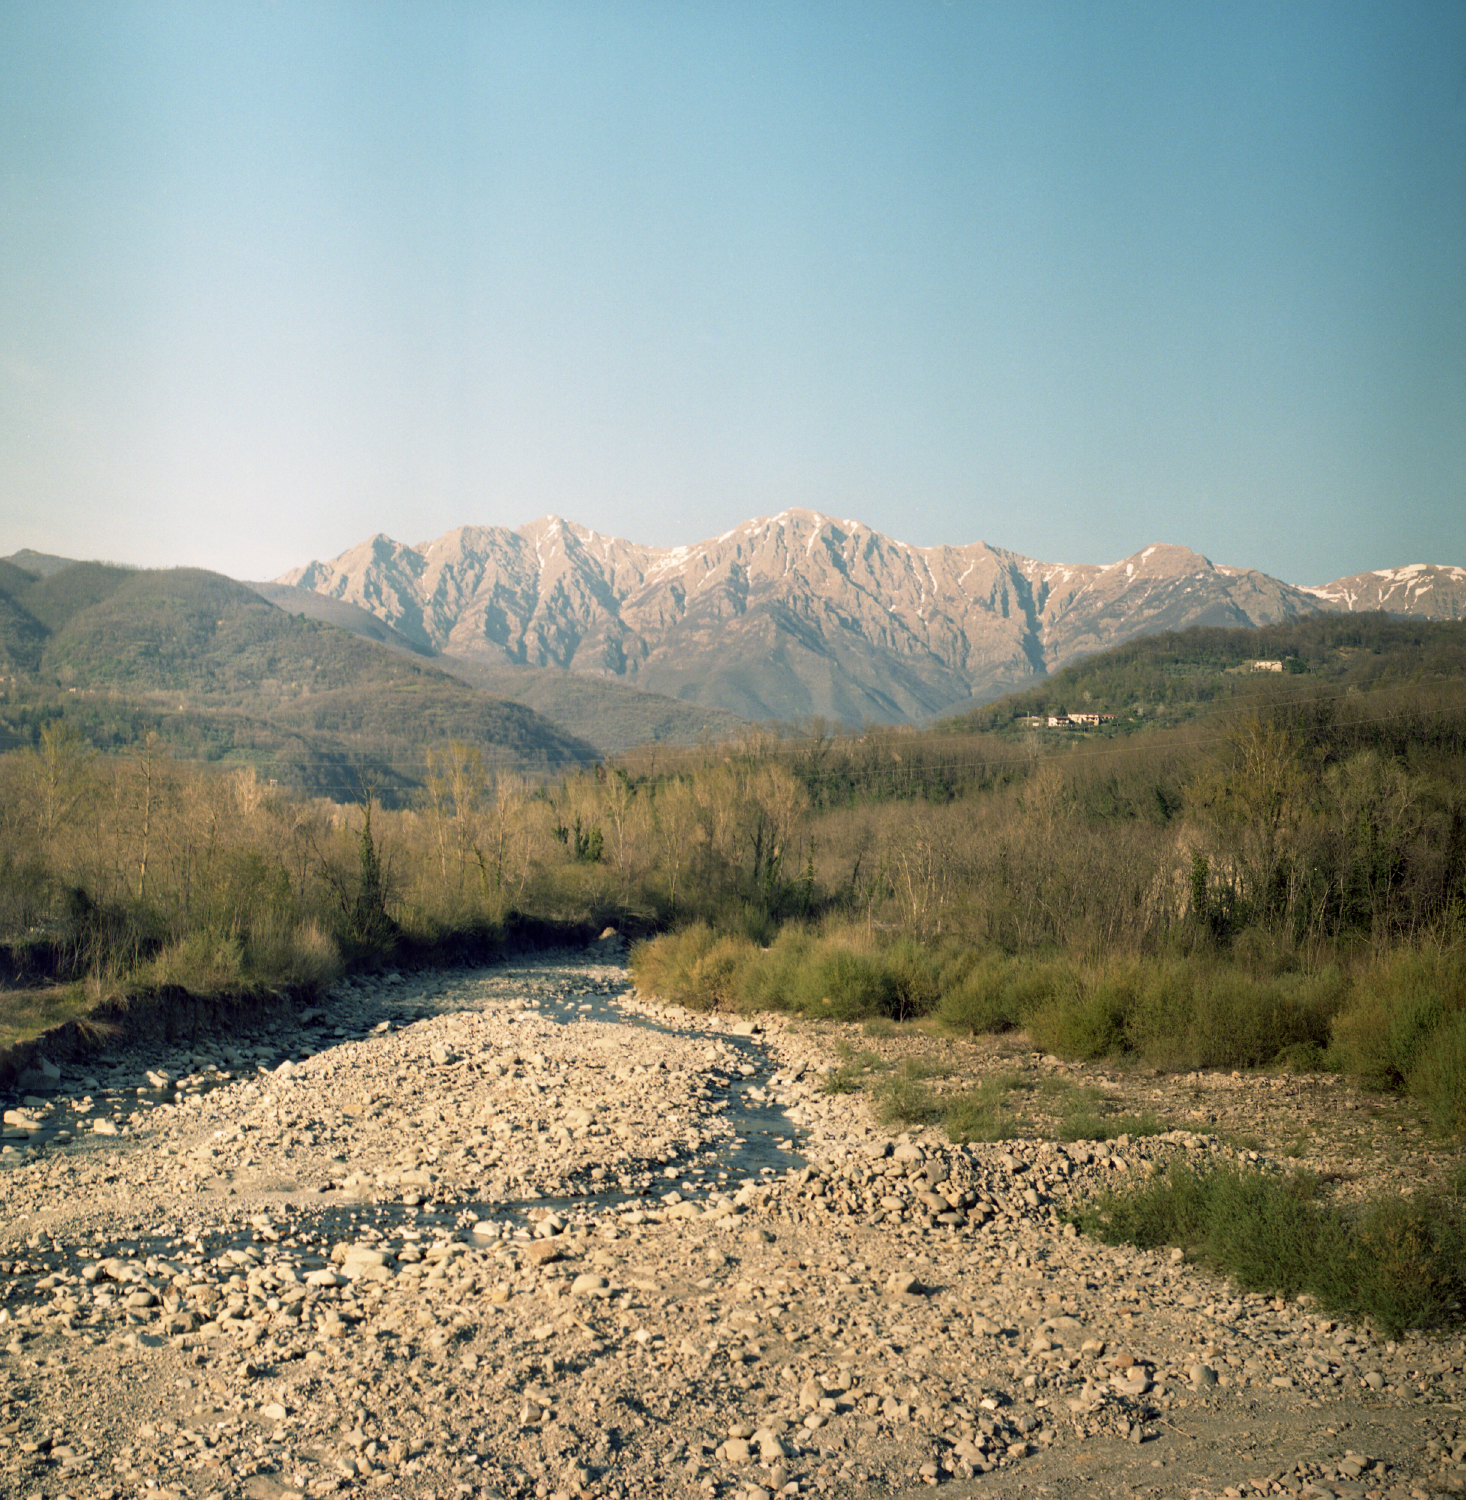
(613, 715)
(339, 613)
(223, 674)
(798, 614)
(1179, 675)
(41, 564)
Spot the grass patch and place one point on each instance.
(984, 1113)
(853, 1070)
(904, 1100)
(1090, 1125)
(1399, 1262)
(26, 1014)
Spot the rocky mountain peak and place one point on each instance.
(802, 613)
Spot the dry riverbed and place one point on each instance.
(517, 1232)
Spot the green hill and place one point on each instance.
(614, 715)
(1181, 675)
(220, 674)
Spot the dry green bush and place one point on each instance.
(1400, 1262)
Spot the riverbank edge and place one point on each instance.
(171, 1013)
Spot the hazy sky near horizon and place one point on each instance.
(1070, 278)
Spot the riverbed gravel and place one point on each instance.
(520, 1232)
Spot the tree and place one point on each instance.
(62, 771)
(678, 831)
(369, 918)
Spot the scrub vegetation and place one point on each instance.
(1400, 1262)
(1283, 885)
(1279, 884)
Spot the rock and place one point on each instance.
(770, 1446)
(466, 1360)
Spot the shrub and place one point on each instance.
(1385, 1031)
(847, 986)
(693, 967)
(774, 982)
(292, 955)
(1241, 1022)
(824, 977)
(915, 978)
(1086, 1021)
(978, 997)
(1177, 1014)
(1438, 1079)
(1398, 1261)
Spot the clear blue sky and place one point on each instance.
(1070, 278)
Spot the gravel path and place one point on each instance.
(473, 1235)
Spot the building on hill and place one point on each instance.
(1079, 721)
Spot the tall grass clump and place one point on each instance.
(277, 954)
(695, 967)
(985, 992)
(833, 977)
(1397, 1007)
(1177, 1013)
(1400, 1262)
(299, 956)
(205, 962)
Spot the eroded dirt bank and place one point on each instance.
(471, 1234)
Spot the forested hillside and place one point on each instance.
(1181, 675)
(207, 669)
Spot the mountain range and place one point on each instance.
(801, 614)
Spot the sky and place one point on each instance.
(1067, 278)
